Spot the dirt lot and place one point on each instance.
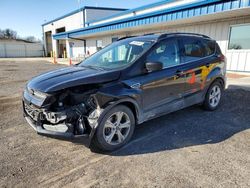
(189, 148)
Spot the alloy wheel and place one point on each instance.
(214, 96)
(116, 128)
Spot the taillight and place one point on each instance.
(222, 58)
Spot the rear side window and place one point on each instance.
(209, 47)
(194, 48)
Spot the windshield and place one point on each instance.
(119, 54)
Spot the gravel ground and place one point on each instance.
(188, 148)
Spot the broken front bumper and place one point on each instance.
(43, 129)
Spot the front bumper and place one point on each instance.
(40, 129)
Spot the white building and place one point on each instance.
(226, 21)
(71, 21)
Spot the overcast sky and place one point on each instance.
(26, 16)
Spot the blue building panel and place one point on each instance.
(218, 7)
(204, 10)
(180, 15)
(190, 13)
(235, 4)
(171, 14)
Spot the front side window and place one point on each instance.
(239, 38)
(166, 52)
(118, 54)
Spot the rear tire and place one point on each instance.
(115, 129)
(213, 96)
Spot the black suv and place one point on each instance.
(129, 82)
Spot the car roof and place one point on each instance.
(160, 36)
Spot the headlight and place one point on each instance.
(39, 95)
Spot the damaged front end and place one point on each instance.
(69, 113)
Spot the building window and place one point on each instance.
(239, 38)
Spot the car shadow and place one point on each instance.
(192, 126)
(247, 88)
(188, 127)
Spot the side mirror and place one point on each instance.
(154, 66)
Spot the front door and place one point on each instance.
(162, 90)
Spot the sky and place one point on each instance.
(27, 16)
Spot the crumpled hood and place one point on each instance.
(69, 77)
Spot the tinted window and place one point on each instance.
(209, 47)
(166, 52)
(239, 37)
(193, 49)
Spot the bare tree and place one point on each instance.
(11, 34)
(32, 39)
(1, 34)
(8, 34)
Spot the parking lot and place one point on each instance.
(188, 148)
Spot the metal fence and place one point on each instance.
(13, 49)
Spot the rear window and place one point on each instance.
(195, 49)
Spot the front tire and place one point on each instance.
(213, 96)
(115, 129)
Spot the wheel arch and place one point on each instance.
(220, 80)
(132, 107)
(128, 102)
(216, 75)
(131, 104)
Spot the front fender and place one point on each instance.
(109, 97)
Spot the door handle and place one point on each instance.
(179, 73)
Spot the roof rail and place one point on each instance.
(125, 38)
(179, 33)
(155, 33)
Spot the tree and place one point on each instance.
(235, 46)
(1, 34)
(8, 34)
(32, 39)
(11, 34)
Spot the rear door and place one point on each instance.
(197, 57)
